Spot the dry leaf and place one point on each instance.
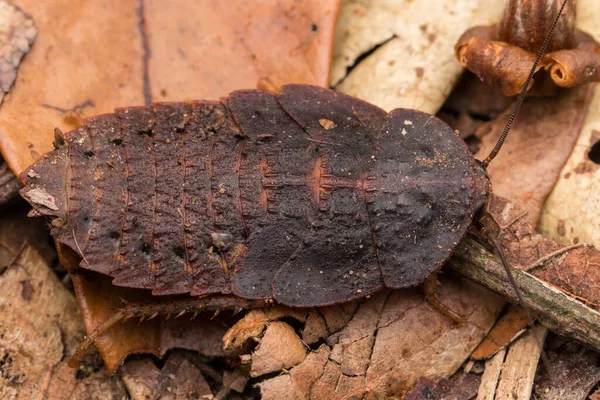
(571, 211)
(177, 379)
(539, 143)
(461, 387)
(39, 325)
(280, 348)
(413, 63)
(507, 329)
(204, 50)
(9, 184)
(17, 34)
(391, 340)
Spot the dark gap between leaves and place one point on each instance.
(594, 153)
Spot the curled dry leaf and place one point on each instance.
(502, 54)
(412, 63)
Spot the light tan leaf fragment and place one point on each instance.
(415, 65)
(254, 322)
(571, 212)
(41, 197)
(17, 34)
(280, 348)
(297, 383)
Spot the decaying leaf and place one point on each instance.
(461, 387)
(17, 34)
(392, 339)
(557, 297)
(177, 379)
(205, 50)
(412, 65)
(540, 142)
(39, 325)
(507, 329)
(571, 373)
(9, 184)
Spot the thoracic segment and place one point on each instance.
(256, 196)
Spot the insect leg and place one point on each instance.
(175, 307)
(430, 287)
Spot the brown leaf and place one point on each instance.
(392, 339)
(573, 269)
(279, 348)
(177, 379)
(39, 325)
(99, 299)
(539, 144)
(507, 329)
(205, 50)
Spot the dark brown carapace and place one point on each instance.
(308, 197)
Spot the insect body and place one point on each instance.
(308, 197)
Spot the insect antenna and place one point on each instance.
(493, 155)
(521, 96)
